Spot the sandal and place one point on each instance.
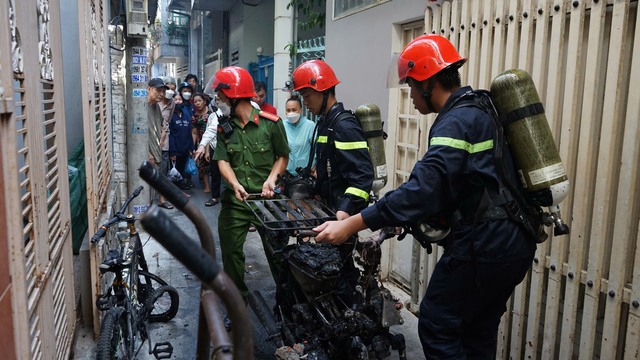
(166, 205)
(212, 202)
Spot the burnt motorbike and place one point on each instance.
(310, 320)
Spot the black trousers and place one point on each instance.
(216, 178)
(461, 310)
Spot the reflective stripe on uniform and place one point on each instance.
(354, 145)
(462, 145)
(357, 192)
(341, 145)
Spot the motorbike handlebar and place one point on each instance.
(201, 264)
(161, 228)
(151, 174)
(200, 261)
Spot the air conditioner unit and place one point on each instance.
(137, 18)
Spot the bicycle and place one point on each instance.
(135, 297)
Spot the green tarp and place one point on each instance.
(78, 196)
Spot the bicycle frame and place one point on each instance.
(128, 264)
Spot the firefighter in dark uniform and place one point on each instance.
(343, 165)
(252, 150)
(486, 253)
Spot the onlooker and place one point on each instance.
(180, 137)
(207, 148)
(193, 81)
(199, 125)
(171, 84)
(155, 94)
(261, 96)
(300, 132)
(166, 106)
(186, 91)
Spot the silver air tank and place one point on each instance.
(371, 121)
(521, 114)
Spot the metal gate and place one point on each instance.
(262, 71)
(35, 182)
(96, 112)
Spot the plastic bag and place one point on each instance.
(191, 168)
(174, 174)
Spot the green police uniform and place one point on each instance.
(251, 151)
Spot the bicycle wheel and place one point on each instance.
(162, 305)
(147, 285)
(114, 341)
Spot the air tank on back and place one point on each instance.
(371, 121)
(521, 114)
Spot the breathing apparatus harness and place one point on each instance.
(507, 201)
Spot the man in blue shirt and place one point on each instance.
(299, 134)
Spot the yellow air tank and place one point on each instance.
(530, 140)
(521, 114)
(371, 121)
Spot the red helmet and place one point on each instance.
(427, 55)
(235, 82)
(314, 74)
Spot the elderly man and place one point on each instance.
(156, 89)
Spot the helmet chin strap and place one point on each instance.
(426, 95)
(325, 99)
(234, 104)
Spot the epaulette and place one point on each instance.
(269, 116)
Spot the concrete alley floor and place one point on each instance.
(182, 330)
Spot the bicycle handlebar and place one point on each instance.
(118, 217)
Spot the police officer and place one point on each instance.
(343, 165)
(251, 151)
(486, 253)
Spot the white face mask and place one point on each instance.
(186, 95)
(169, 94)
(293, 117)
(226, 110)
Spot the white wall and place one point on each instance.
(358, 48)
(70, 66)
(250, 27)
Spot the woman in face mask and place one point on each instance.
(186, 91)
(299, 134)
(180, 137)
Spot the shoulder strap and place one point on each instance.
(343, 114)
(509, 195)
(269, 116)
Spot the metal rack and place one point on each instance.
(290, 214)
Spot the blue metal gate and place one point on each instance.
(262, 71)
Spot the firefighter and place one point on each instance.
(343, 165)
(486, 252)
(252, 151)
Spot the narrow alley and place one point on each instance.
(182, 330)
